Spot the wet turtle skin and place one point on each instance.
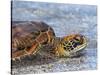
(28, 37)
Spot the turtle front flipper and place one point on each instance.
(71, 45)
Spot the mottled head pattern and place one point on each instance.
(73, 43)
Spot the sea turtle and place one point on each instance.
(28, 37)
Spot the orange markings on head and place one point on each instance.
(70, 37)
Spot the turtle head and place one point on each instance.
(72, 45)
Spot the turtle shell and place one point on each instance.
(28, 36)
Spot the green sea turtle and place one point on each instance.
(28, 37)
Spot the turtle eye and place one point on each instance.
(77, 39)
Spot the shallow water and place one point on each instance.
(64, 19)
